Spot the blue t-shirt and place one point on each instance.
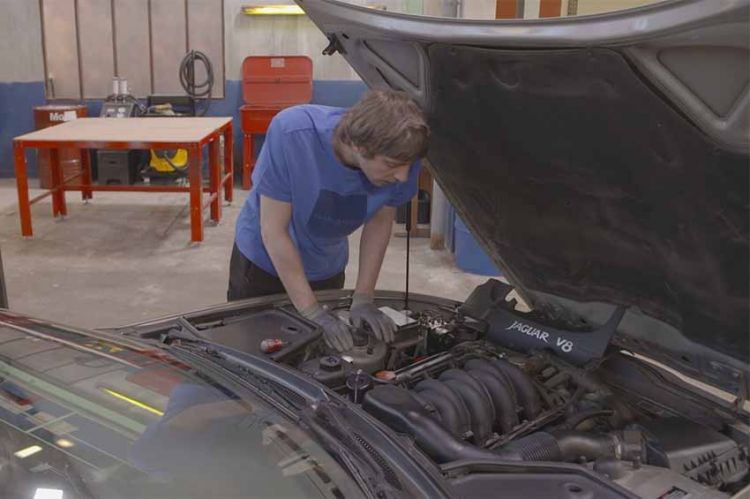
(329, 200)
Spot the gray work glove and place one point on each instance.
(363, 310)
(335, 331)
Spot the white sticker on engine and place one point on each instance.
(400, 318)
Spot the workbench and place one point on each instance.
(130, 133)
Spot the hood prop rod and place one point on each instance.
(408, 252)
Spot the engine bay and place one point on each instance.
(459, 397)
(461, 391)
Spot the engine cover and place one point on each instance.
(510, 329)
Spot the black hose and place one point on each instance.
(400, 410)
(197, 91)
(567, 446)
(584, 446)
(441, 445)
(539, 446)
(577, 419)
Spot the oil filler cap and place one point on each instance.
(330, 363)
(358, 384)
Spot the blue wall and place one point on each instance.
(16, 118)
(18, 99)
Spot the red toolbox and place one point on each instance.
(70, 158)
(269, 84)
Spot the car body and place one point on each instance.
(189, 406)
(603, 167)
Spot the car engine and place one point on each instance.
(458, 390)
(480, 381)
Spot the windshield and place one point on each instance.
(82, 417)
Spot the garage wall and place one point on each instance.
(22, 66)
(21, 73)
(21, 50)
(278, 35)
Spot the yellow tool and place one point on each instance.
(174, 161)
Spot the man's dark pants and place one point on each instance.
(247, 280)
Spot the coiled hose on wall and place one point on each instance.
(197, 91)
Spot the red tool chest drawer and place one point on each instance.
(256, 119)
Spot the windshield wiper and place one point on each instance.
(182, 331)
(353, 451)
(207, 356)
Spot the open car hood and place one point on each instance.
(601, 161)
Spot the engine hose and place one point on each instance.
(197, 91)
(442, 446)
(539, 446)
(575, 420)
(568, 446)
(578, 445)
(400, 410)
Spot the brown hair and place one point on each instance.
(386, 123)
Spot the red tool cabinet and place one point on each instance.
(269, 84)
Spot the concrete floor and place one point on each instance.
(125, 257)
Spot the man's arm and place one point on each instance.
(375, 237)
(274, 230)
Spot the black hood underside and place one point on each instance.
(601, 161)
(587, 184)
